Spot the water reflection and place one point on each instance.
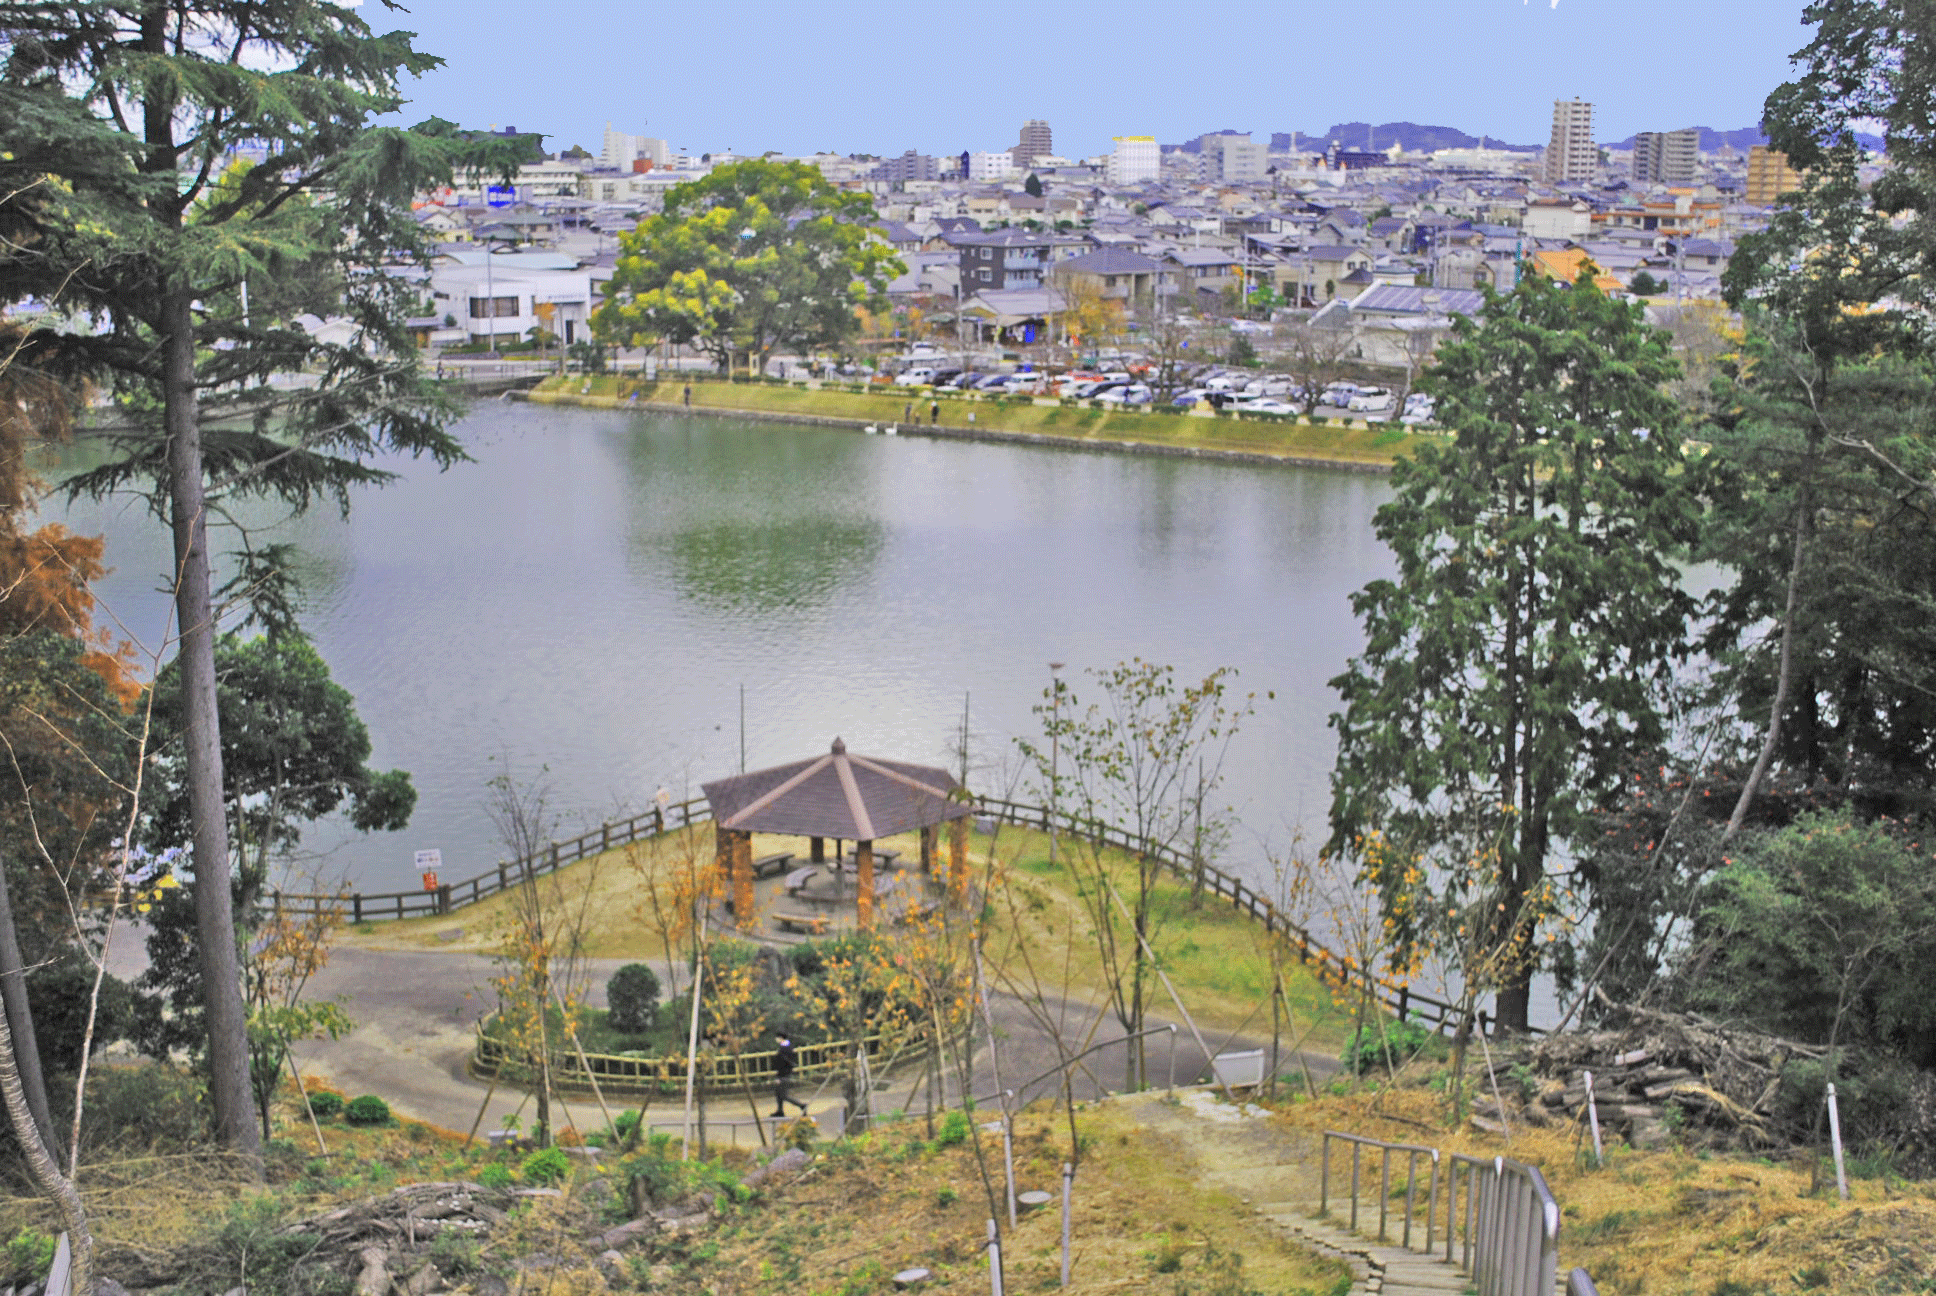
(593, 591)
(754, 569)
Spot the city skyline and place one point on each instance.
(883, 81)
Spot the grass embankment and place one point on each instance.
(1038, 936)
(1377, 445)
(1672, 1222)
(899, 1197)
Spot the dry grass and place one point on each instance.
(1139, 1222)
(1671, 1222)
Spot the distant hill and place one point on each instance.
(1196, 145)
(1746, 138)
(1352, 135)
(1413, 137)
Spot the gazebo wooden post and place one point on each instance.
(722, 856)
(927, 849)
(864, 879)
(743, 881)
(958, 860)
(817, 850)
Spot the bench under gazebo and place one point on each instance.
(838, 797)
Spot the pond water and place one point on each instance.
(587, 599)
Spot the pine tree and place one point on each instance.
(127, 201)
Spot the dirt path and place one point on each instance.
(1273, 1169)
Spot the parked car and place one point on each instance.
(1188, 398)
(1126, 394)
(1266, 405)
(918, 376)
(1339, 394)
(1372, 400)
(994, 382)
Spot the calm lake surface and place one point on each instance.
(588, 597)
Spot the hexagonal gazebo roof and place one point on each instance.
(852, 798)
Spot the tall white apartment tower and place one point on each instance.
(1137, 158)
(1571, 154)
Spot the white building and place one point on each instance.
(1243, 159)
(990, 166)
(621, 150)
(1137, 158)
(506, 295)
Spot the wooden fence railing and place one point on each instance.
(1337, 970)
(364, 906)
(619, 1074)
(1333, 969)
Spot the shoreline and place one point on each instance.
(1107, 445)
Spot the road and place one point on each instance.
(415, 1013)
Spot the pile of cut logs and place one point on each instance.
(1657, 1073)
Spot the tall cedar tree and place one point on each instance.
(1830, 518)
(122, 205)
(1516, 657)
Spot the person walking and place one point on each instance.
(783, 1064)
(934, 413)
(688, 395)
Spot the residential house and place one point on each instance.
(1558, 218)
(1118, 274)
(1205, 270)
(1011, 258)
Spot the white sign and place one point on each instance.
(430, 859)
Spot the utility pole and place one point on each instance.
(1055, 752)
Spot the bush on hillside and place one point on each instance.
(367, 1109)
(632, 998)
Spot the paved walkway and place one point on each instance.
(416, 1012)
(1273, 1169)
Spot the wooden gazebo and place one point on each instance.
(861, 799)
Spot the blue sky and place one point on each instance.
(875, 77)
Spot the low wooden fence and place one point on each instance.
(1336, 970)
(618, 1073)
(364, 906)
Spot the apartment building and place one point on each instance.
(1571, 154)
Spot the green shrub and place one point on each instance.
(455, 1254)
(1380, 1045)
(946, 1196)
(367, 1109)
(495, 1176)
(144, 1109)
(546, 1166)
(27, 1256)
(326, 1103)
(632, 997)
(955, 1127)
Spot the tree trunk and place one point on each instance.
(228, 1045)
(20, 1020)
(1785, 671)
(46, 1171)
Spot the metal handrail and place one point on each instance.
(1413, 1152)
(1512, 1226)
(1510, 1240)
